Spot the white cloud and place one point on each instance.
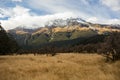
(113, 4)
(109, 21)
(92, 19)
(49, 5)
(13, 12)
(4, 12)
(59, 6)
(17, 0)
(113, 21)
(103, 21)
(18, 11)
(21, 17)
(82, 8)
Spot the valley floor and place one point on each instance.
(60, 67)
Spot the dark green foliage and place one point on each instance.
(7, 44)
(77, 34)
(3, 42)
(38, 39)
(60, 36)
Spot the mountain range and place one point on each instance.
(58, 31)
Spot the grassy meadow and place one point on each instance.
(60, 67)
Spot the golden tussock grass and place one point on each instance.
(60, 67)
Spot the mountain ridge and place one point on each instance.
(55, 32)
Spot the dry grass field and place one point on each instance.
(60, 67)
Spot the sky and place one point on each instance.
(35, 13)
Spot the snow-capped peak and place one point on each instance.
(65, 22)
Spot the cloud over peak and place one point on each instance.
(27, 19)
(33, 13)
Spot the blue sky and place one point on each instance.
(35, 13)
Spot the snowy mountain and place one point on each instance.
(59, 30)
(66, 22)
